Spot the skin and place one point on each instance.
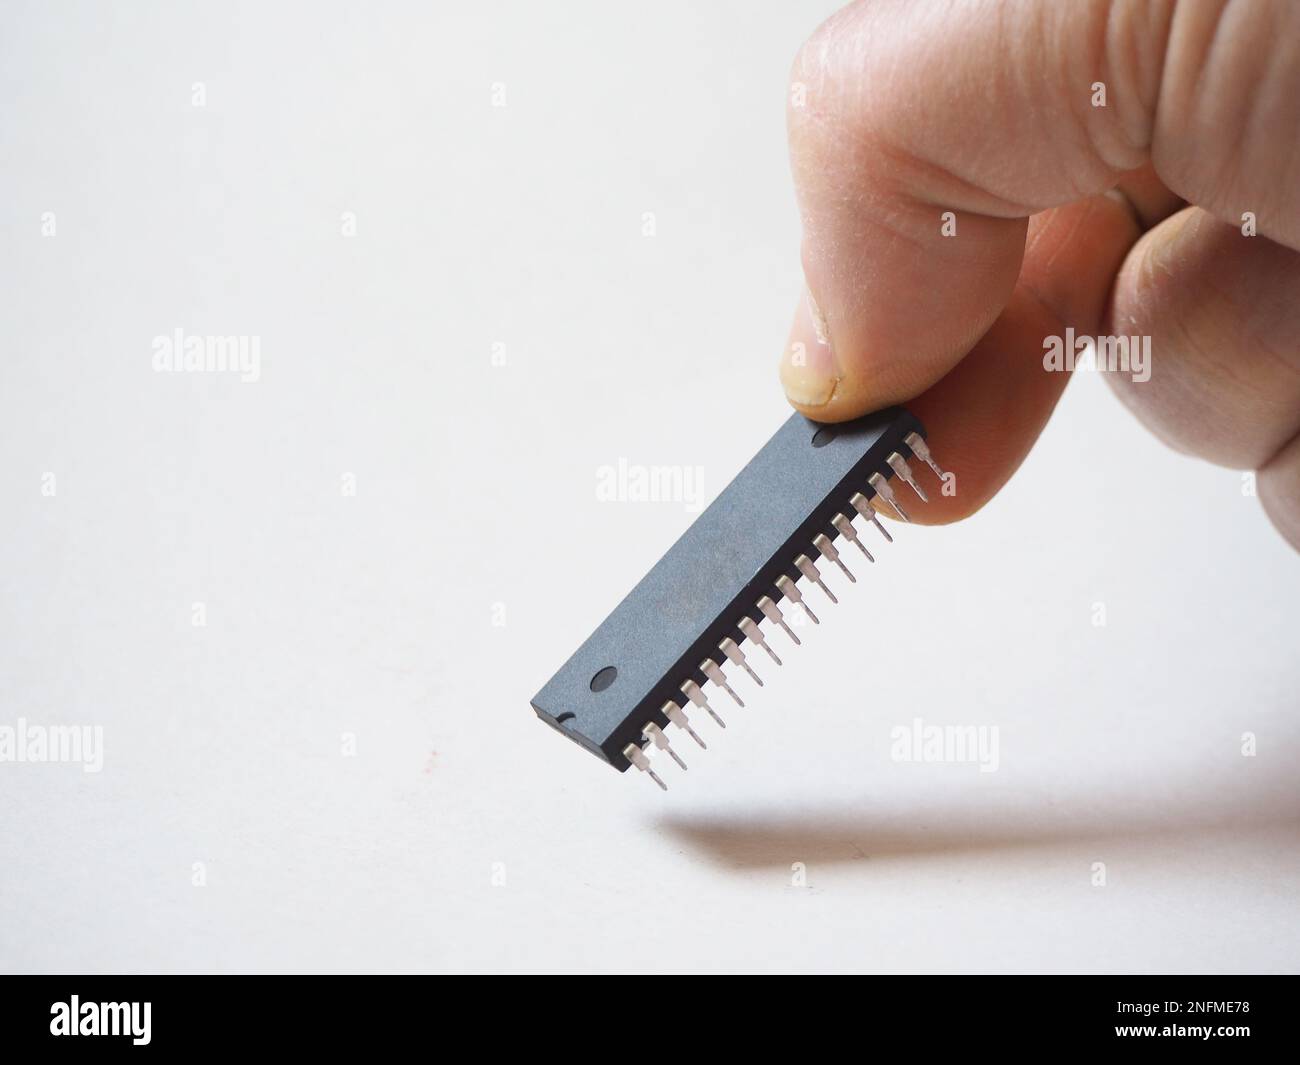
(1125, 220)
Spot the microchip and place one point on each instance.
(723, 588)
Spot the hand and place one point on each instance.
(975, 177)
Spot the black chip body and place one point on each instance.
(732, 556)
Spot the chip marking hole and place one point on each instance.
(604, 679)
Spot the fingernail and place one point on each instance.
(808, 372)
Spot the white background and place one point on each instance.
(476, 485)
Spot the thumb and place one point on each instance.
(923, 135)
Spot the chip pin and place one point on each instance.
(677, 716)
(711, 670)
(637, 757)
(737, 656)
(655, 735)
(755, 635)
(922, 451)
(845, 527)
(791, 591)
(823, 544)
(863, 506)
(899, 465)
(882, 489)
(692, 691)
(805, 565)
(773, 613)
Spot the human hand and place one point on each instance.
(1104, 164)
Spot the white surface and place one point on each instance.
(476, 485)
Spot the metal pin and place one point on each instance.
(692, 691)
(823, 544)
(922, 451)
(677, 716)
(882, 489)
(655, 735)
(735, 654)
(637, 757)
(773, 613)
(899, 465)
(711, 670)
(791, 591)
(755, 635)
(863, 506)
(845, 527)
(804, 565)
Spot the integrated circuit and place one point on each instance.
(725, 586)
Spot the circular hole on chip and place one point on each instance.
(604, 679)
(823, 436)
(567, 716)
